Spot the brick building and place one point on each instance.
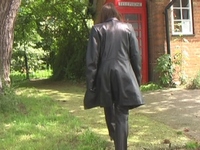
(167, 26)
(183, 34)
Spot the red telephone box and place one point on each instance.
(135, 12)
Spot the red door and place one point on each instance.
(134, 12)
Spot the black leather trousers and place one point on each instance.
(117, 123)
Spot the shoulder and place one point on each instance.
(95, 28)
(129, 26)
(98, 26)
(126, 26)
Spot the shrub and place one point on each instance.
(165, 70)
(195, 83)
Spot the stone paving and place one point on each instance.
(176, 107)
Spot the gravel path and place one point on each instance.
(178, 108)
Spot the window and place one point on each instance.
(136, 21)
(182, 22)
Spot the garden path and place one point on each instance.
(176, 107)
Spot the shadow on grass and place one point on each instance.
(144, 132)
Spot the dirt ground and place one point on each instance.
(176, 107)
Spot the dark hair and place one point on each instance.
(109, 11)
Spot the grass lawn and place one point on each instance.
(43, 124)
(51, 117)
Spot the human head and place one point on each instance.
(109, 11)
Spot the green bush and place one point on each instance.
(195, 84)
(165, 70)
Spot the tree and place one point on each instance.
(27, 56)
(8, 13)
(59, 28)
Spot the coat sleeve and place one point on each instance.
(92, 59)
(135, 56)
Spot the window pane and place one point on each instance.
(177, 14)
(177, 26)
(186, 14)
(177, 3)
(185, 3)
(132, 17)
(186, 27)
(137, 34)
(182, 22)
(135, 25)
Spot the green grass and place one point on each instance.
(50, 116)
(193, 146)
(41, 124)
(150, 87)
(17, 76)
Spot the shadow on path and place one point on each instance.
(178, 108)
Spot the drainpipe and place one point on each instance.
(167, 25)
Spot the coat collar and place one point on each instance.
(112, 19)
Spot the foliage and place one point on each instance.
(58, 30)
(39, 74)
(165, 69)
(35, 57)
(169, 68)
(195, 83)
(193, 146)
(70, 57)
(179, 59)
(150, 87)
(27, 57)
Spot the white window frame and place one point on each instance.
(185, 25)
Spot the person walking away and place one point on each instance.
(113, 72)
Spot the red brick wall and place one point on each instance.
(188, 45)
(156, 32)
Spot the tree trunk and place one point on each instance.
(8, 13)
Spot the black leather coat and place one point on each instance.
(113, 66)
